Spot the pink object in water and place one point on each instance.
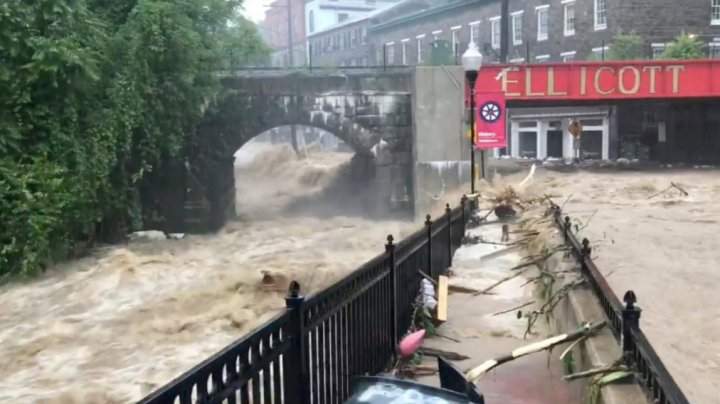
(410, 344)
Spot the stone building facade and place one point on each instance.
(551, 31)
(540, 30)
(344, 44)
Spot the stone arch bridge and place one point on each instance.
(372, 113)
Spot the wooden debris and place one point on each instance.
(449, 355)
(463, 289)
(442, 298)
(428, 277)
(594, 372)
(501, 281)
(513, 309)
(672, 185)
(446, 337)
(274, 282)
(541, 259)
(476, 373)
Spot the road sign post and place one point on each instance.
(575, 129)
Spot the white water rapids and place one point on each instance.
(112, 327)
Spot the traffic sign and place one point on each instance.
(575, 128)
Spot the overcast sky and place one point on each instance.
(254, 9)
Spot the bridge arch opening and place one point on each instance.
(376, 127)
(318, 174)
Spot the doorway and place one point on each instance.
(528, 144)
(555, 143)
(591, 144)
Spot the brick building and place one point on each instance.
(542, 31)
(344, 44)
(274, 29)
(539, 30)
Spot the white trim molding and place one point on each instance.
(599, 26)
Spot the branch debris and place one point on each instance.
(672, 185)
(476, 373)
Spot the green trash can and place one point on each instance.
(441, 53)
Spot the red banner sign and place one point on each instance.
(489, 120)
(603, 80)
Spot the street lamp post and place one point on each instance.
(472, 62)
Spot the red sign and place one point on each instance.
(489, 120)
(603, 80)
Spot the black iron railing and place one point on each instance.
(309, 353)
(657, 382)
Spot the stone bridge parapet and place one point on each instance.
(372, 113)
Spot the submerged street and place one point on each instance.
(648, 237)
(114, 326)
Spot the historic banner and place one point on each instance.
(489, 120)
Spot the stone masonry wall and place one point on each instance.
(360, 109)
(654, 20)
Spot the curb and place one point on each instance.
(579, 306)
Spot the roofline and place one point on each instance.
(355, 20)
(424, 14)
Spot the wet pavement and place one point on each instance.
(533, 379)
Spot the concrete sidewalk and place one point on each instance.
(536, 378)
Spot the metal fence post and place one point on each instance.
(566, 228)
(390, 250)
(428, 225)
(630, 321)
(586, 249)
(448, 212)
(463, 202)
(295, 363)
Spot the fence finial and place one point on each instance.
(630, 299)
(390, 239)
(447, 208)
(428, 220)
(293, 290)
(586, 249)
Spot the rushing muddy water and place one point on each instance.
(664, 246)
(112, 327)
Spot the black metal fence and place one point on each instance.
(625, 323)
(309, 353)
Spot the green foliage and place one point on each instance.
(593, 392)
(684, 47)
(626, 47)
(422, 319)
(94, 97)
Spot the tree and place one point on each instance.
(622, 47)
(626, 47)
(243, 46)
(95, 97)
(684, 46)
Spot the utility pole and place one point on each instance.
(291, 63)
(504, 28)
(290, 35)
